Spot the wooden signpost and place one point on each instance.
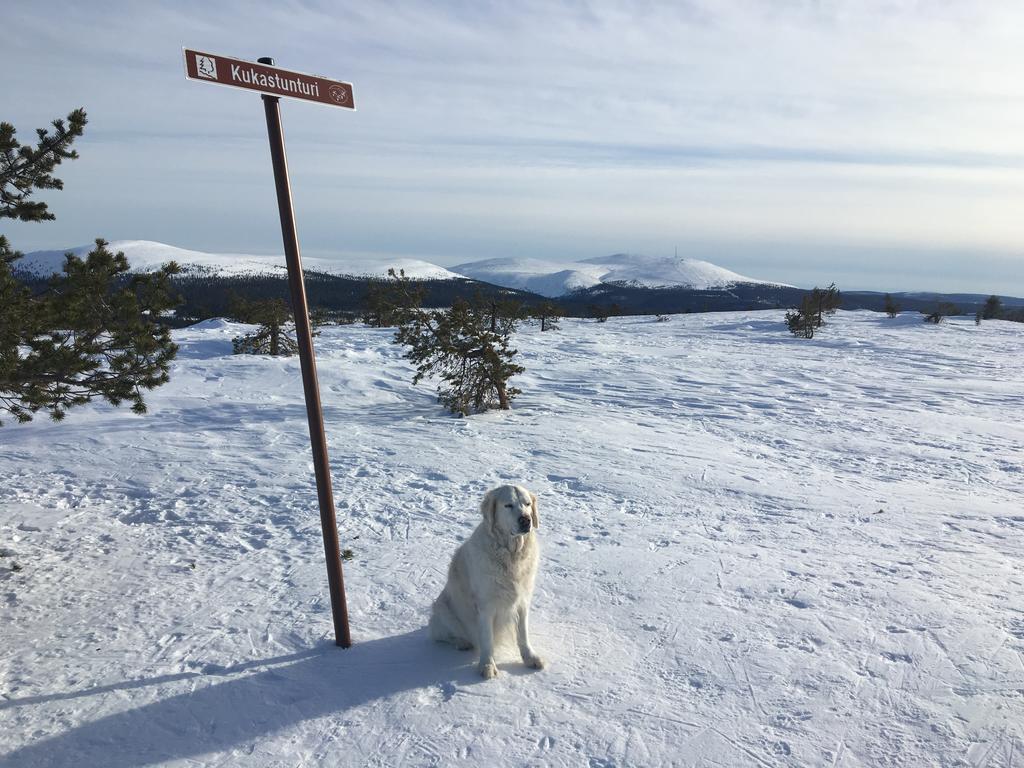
(274, 82)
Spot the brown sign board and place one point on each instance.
(274, 81)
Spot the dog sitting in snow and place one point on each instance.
(490, 580)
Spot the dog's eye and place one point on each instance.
(509, 506)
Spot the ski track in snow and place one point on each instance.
(756, 550)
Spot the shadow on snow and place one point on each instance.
(241, 710)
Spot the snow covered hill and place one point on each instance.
(146, 255)
(547, 278)
(551, 278)
(756, 551)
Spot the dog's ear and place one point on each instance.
(489, 508)
(533, 510)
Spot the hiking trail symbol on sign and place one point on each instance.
(271, 80)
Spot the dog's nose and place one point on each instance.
(524, 523)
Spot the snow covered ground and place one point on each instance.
(756, 551)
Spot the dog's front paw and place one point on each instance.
(488, 670)
(533, 660)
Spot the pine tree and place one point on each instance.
(814, 307)
(24, 168)
(601, 312)
(93, 332)
(276, 332)
(389, 302)
(891, 308)
(802, 320)
(501, 315)
(548, 313)
(824, 301)
(942, 309)
(993, 308)
(457, 345)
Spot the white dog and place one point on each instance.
(490, 580)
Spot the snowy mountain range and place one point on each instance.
(545, 277)
(553, 278)
(147, 255)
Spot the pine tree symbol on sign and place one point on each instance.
(206, 67)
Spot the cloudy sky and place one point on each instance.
(876, 143)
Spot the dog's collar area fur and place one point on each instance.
(516, 542)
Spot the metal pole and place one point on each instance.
(314, 413)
